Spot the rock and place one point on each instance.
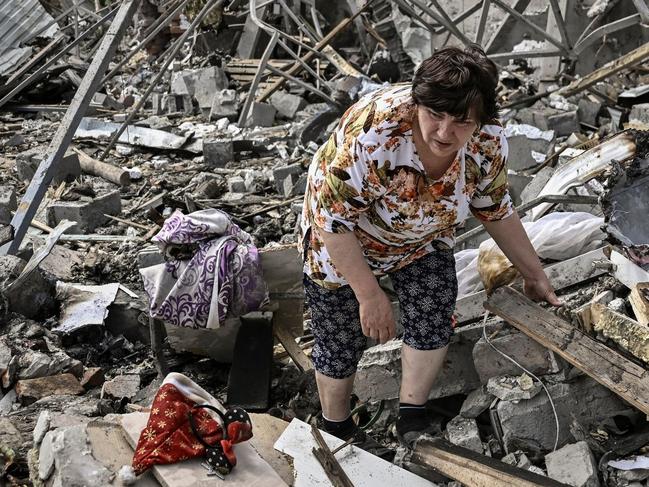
(8, 203)
(74, 465)
(7, 402)
(122, 386)
(42, 426)
(92, 377)
(476, 403)
(33, 364)
(225, 104)
(5, 356)
(31, 390)
(573, 465)
(530, 354)
(89, 214)
(640, 113)
(10, 436)
(34, 297)
(236, 184)
(287, 104)
(464, 432)
(511, 389)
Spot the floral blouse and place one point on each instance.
(368, 179)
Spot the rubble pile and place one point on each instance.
(114, 116)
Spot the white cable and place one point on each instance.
(554, 410)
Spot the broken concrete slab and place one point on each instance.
(527, 352)
(524, 141)
(287, 104)
(83, 306)
(31, 390)
(513, 388)
(280, 174)
(477, 402)
(573, 464)
(464, 432)
(639, 113)
(93, 377)
(121, 387)
(88, 213)
(588, 111)
(27, 163)
(34, 298)
(33, 364)
(362, 468)
(8, 204)
(260, 115)
(225, 104)
(625, 205)
(200, 84)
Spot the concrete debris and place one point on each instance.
(115, 141)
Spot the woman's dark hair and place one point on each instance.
(454, 81)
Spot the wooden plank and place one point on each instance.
(266, 431)
(475, 470)
(627, 333)
(625, 378)
(561, 275)
(287, 340)
(640, 303)
(609, 69)
(251, 469)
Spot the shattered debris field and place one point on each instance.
(154, 160)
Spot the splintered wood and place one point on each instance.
(622, 376)
(624, 331)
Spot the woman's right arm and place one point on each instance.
(377, 319)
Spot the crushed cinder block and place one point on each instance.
(199, 83)
(588, 110)
(106, 101)
(27, 163)
(282, 172)
(525, 141)
(236, 184)
(218, 152)
(31, 390)
(574, 465)
(225, 104)
(639, 113)
(88, 213)
(122, 386)
(287, 104)
(178, 104)
(8, 203)
(527, 352)
(34, 297)
(513, 388)
(476, 403)
(464, 432)
(260, 115)
(583, 400)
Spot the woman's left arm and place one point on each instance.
(510, 236)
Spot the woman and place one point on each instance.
(385, 194)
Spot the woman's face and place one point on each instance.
(443, 133)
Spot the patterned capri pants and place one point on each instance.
(426, 290)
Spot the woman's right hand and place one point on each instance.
(377, 318)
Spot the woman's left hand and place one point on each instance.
(540, 289)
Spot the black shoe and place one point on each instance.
(407, 438)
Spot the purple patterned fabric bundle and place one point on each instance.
(222, 277)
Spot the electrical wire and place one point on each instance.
(554, 410)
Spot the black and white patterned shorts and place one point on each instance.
(426, 290)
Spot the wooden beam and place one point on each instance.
(639, 299)
(622, 376)
(609, 69)
(287, 340)
(472, 469)
(627, 333)
(561, 274)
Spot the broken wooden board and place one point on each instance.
(561, 274)
(251, 469)
(472, 469)
(627, 333)
(639, 299)
(266, 431)
(287, 340)
(620, 375)
(363, 468)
